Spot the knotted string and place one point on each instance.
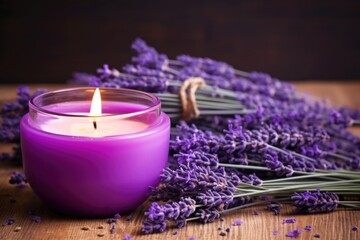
(187, 92)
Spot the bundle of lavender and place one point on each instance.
(248, 136)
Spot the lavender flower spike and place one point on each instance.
(312, 202)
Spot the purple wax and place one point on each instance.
(95, 175)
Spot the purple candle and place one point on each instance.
(89, 162)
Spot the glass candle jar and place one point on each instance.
(94, 165)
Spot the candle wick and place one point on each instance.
(94, 124)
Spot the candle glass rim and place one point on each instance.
(156, 103)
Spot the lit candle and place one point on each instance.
(81, 127)
(94, 158)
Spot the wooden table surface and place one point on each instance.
(336, 225)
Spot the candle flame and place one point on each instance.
(95, 109)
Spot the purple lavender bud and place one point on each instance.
(148, 56)
(239, 201)
(295, 233)
(308, 228)
(112, 229)
(187, 207)
(180, 223)
(105, 72)
(208, 215)
(289, 220)
(199, 158)
(316, 235)
(273, 163)
(81, 78)
(127, 237)
(251, 179)
(274, 207)
(311, 202)
(143, 71)
(215, 199)
(237, 222)
(208, 66)
(8, 221)
(355, 228)
(113, 219)
(152, 227)
(17, 178)
(155, 212)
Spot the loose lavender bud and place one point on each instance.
(113, 219)
(17, 178)
(308, 228)
(294, 233)
(275, 232)
(316, 235)
(354, 228)
(228, 229)
(127, 237)
(112, 229)
(9, 221)
(237, 222)
(289, 220)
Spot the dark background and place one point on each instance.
(45, 41)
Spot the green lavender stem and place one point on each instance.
(279, 190)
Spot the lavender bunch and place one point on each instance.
(250, 122)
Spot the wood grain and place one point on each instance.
(335, 225)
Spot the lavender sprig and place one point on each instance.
(312, 202)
